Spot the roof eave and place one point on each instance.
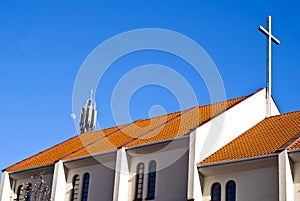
(28, 169)
(158, 142)
(226, 162)
(89, 156)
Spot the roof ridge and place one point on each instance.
(164, 114)
(226, 108)
(246, 96)
(284, 114)
(160, 125)
(289, 144)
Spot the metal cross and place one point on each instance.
(270, 38)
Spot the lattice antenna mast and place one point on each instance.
(88, 114)
(270, 39)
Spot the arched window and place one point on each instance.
(216, 192)
(20, 193)
(230, 191)
(75, 189)
(139, 181)
(151, 180)
(85, 187)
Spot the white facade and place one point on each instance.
(102, 174)
(172, 169)
(221, 130)
(269, 177)
(255, 179)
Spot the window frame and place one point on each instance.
(230, 190)
(139, 181)
(212, 190)
(85, 186)
(151, 180)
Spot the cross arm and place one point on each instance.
(264, 31)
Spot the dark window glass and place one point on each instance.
(230, 191)
(139, 181)
(216, 192)
(151, 180)
(75, 189)
(85, 187)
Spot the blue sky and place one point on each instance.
(44, 43)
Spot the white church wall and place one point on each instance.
(58, 182)
(172, 169)
(221, 130)
(286, 184)
(101, 184)
(257, 184)
(121, 184)
(172, 181)
(274, 108)
(5, 189)
(194, 191)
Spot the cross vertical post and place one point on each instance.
(270, 39)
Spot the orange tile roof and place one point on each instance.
(182, 124)
(122, 136)
(268, 136)
(56, 152)
(136, 133)
(156, 129)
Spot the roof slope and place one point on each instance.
(268, 136)
(139, 132)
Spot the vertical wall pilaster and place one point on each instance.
(194, 191)
(59, 182)
(5, 188)
(121, 186)
(286, 184)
